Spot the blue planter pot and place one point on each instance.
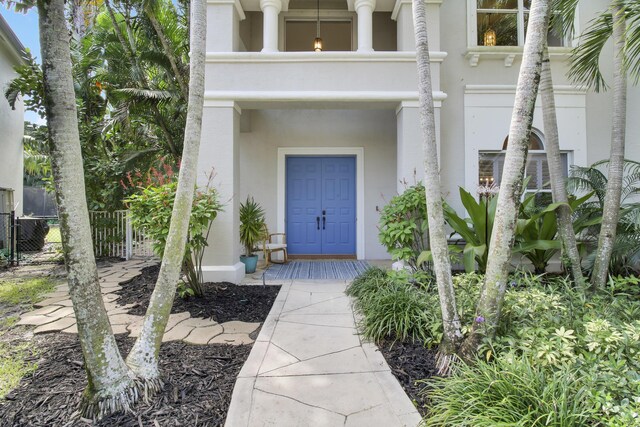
(250, 263)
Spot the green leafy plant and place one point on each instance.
(403, 226)
(509, 392)
(625, 258)
(252, 225)
(151, 212)
(475, 230)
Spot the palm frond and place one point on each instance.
(585, 58)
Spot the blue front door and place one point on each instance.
(321, 205)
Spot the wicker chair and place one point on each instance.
(274, 242)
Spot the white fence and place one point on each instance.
(114, 236)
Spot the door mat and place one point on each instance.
(316, 270)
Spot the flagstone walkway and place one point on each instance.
(309, 367)
(55, 313)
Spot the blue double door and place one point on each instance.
(321, 205)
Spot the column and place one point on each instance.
(410, 152)
(219, 152)
(403, 14)
(270, 10)
(223, 22)
(364, 9)
(410, 155)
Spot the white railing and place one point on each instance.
(114, 236)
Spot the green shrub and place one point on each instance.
(404, 228)
(509, 392)
(151, 211)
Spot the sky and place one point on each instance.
(26, 28)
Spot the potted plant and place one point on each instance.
(251, 231)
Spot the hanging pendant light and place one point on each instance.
(490, 37)
(317, 42)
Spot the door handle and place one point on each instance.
(324, 221)
(318, 222)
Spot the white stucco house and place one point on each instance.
(323, 139)
(11, 124)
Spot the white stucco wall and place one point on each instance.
(264, 131)
(12, 130)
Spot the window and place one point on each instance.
(504, 23)
(537, 168)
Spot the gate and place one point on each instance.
(114, 237)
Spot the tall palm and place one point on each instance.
(620, 22)
(504, 226)
(111, 385)
(144, 356)
(437, 237)
(558, 183)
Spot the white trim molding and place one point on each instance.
(358, 152)
(267, 57)
(216, 97)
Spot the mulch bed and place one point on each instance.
(199, 380)
(221, 302)
(410, 363)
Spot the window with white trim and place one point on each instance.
(504, 23)
(490, 164)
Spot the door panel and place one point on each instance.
(321, 205)
(339, 205)
(303, 205)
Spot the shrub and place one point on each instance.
(508, 392)
(151, 211)
(403, 226)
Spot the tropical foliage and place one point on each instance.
(151, 212)
(625, 257)
(131, 98)
(559, 357)
(403, 226)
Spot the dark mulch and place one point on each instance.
(199, 380)
(198, 385)
(221, 302)
(410, 362)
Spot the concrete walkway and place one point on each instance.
(55, 313)
(309, 367)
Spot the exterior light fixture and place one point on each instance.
(317, 42)
(490, 37)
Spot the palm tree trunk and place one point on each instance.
(558, 183)
(143, 358)
(111, 385)
(437, 237)
(503, 233)
(611, 208)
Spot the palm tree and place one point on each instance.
(437, 237)
(144, 355)
(558, 184)
(621, 22)
(111, 385)
(503, 233)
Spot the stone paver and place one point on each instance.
(309, 367)
(55, 313)
(235, 327)
(203, 334)
(233, 339)
(56, 326)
